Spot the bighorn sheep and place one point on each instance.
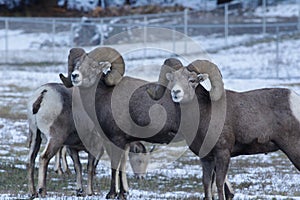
(110, 93)
(138, 165)
(258, 121)
(50, 115)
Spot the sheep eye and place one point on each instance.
(192, 81)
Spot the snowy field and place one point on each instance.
(248, 62)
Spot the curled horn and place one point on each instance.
(74, 56)
(152, 149)
(170, 64)
(215, 76)
(111, 55)
(137, 147)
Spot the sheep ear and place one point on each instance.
(202, 77)
(106, 67)
(169, 76)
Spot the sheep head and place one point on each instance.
(74, 56)
(170, 65)
(85, 68)
(139, 158)
(183, 82)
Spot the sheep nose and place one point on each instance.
(175, 92)
(74, 75)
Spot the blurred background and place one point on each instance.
(255, 43)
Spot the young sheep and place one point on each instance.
(258, 121)
(50, 115)
(121, 105)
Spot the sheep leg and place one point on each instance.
(112, 194)
(96, 163)
(92, 165)
(57, 166)
(291, 149)
(122, 176)
(35, 143)
(51, 149)
(115, 157)
(64, 160)
(222, 164)
(229, 193)
(208, 166)
(78, 170)
(91, 171)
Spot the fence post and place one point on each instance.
(298, 15)
(185, 29)
(277, 51)
(174, 40)
(264, 17)
(103, 4)
(53, 38)
(101, 32)
(72, 35)
(6, 40)
(145, 36)
(226, 23)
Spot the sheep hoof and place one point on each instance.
(42, 192)
(33, 196)
(111, 195)
(122, 195)
(68, 172)
(229, 197)
(59, 172)
(79, 192)
(90, 193)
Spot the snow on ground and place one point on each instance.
(282, 10)
(244, 67)
(256, 181)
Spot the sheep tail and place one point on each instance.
(37, 104)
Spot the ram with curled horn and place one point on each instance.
(125, 111)
(235, 123)
(77, 56)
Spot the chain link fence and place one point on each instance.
(27, 40)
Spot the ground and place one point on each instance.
(247, 61)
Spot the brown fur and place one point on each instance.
(139, 104)
(258, 121)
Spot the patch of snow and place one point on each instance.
(282, 10)
(244, 67)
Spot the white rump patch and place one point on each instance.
(295, 105)
(51, 107)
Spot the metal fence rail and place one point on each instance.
(59, 34)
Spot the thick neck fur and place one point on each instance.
(204, 103)
(88, 96)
